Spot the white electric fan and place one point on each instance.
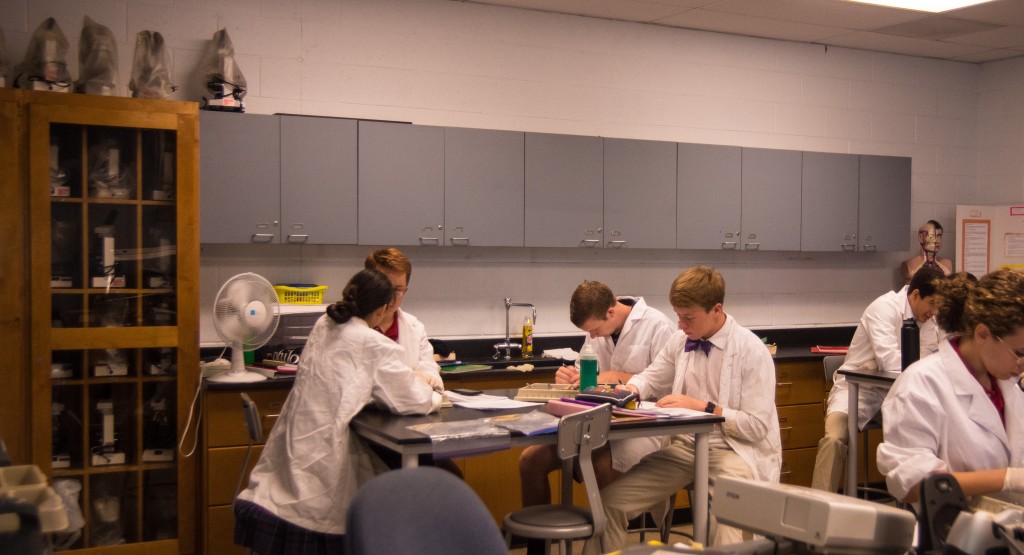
(245, 314)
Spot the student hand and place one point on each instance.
(433, 380)
(628, 387)
(567, 375)
(1014, 480)
(680, 401)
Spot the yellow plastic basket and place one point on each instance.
(288, 294)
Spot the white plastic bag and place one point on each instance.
(151, 75)
(97, 59)
(45, 65)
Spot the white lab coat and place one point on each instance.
(311, 465)
(412, 336)
(746, 393)
(937, 417)
(643, 335)
(876, 346)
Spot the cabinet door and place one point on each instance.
(884, 215)
(564, 191)
(708, 197)
(829, 221)
(639, 194)
(240, 178)
(483, 188)
(401, 184)
(771, 199)
(318, 180)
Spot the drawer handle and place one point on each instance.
(787, 429)
(729, 245)
(784, 384)
(591, 242)
(297, 238)
(785, 473)
(460, 240)
(751, 246)
(430, 241)
(271, 415)
(262, 237)
(616, 244)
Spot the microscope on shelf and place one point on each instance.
(105, 451)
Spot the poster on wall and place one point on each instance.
(989, 237)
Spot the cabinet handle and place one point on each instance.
(729, 245)
(786, 430)
(849, 246)
(591, 242)
(869, 248)
(460, 240)
(297, 238)
(617, 244)
(751, 246)
(430, 241)
(784, 384)
(262, 237)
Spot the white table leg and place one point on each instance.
(851, 444)
(700, 488)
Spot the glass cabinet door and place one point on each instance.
(107, 271)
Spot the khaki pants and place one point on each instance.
(655, 478)
(830, 463)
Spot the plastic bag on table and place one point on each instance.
(224, 79)
(5, 61)
(97, 60)
(529, 424)
(151, 76)
(464, 437)
(45, 66)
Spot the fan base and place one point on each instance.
(237, 377)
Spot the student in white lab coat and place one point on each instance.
(626, 334)
(311, 466)
(875, 347)
(961, 411)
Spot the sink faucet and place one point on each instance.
(507, 345)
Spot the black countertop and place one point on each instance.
(794, 345)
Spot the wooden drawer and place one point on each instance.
(225, 422)
(222, 467)
(798, 383)
(798, 466)
(220, 532)
(801, 425)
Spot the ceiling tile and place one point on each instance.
(1003, 12)
(828, 13)
(1004, 37)
(904, 45)
(750, 26)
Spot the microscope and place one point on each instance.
(105, 451)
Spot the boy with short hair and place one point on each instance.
(716, 366)
(626, 334)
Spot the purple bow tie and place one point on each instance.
(702, 344)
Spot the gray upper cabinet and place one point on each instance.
(639, 194)
(564, 191)
(708, 197)
(771, 199)
(884, 214)
(483, 187)
(318, 180)
(401, 184)
(830, 185)
(239, 178)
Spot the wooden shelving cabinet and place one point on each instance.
(113, 261)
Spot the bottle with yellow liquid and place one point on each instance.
(528, 337)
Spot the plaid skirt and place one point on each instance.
(267, 534)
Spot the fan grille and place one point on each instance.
(246, 311)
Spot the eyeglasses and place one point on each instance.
(1020, 359)
(399, 291)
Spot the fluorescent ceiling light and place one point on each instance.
(934, 6)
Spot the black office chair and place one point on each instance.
(422, 510)
(20, 528)
(578, 435)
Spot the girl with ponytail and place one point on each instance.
(960, 410)
(300, 490)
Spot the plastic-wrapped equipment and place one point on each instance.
(151, 68)
(97, 60)
(45, 66)
(224, 78)
(5, 62)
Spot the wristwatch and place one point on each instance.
(710, 409)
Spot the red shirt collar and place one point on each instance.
(392, 332)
